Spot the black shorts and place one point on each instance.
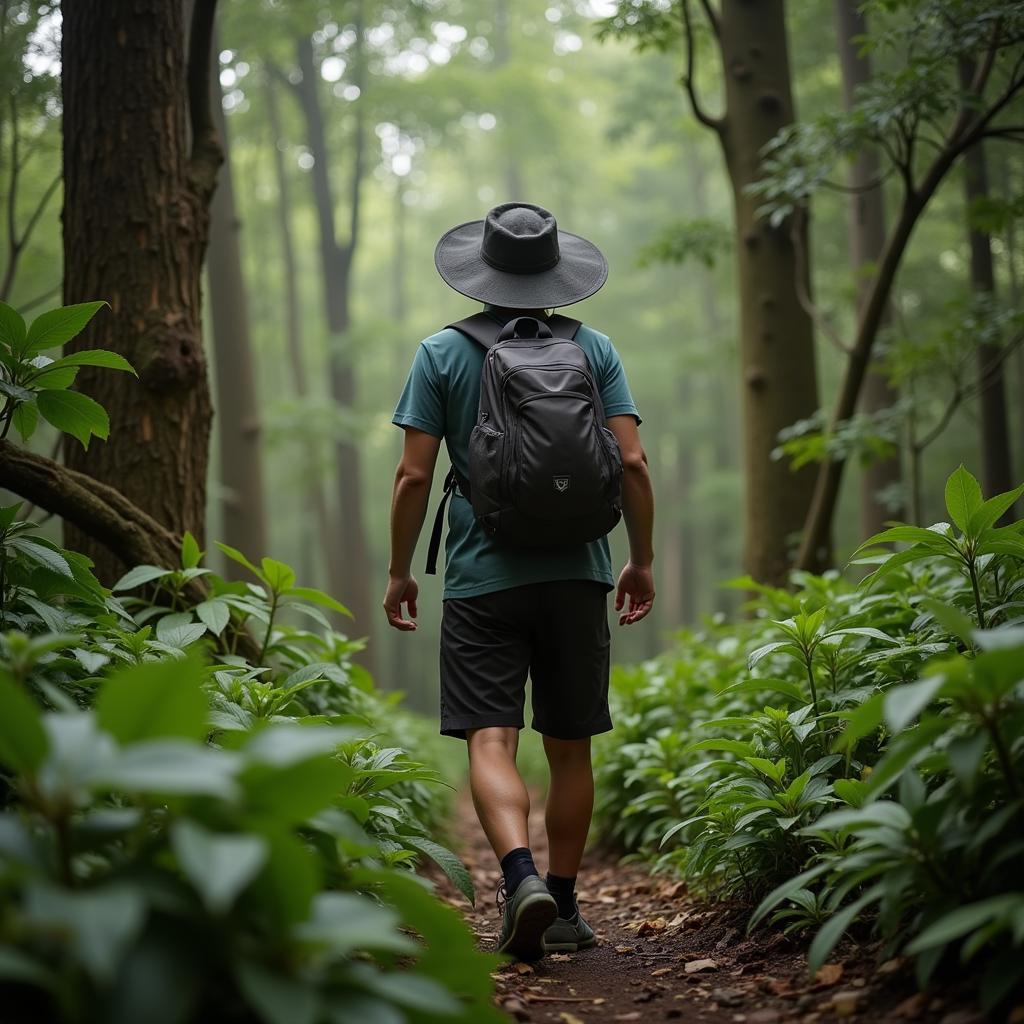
(555, 631)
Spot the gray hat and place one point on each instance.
(519, 259)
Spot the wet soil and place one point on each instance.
(664, 955)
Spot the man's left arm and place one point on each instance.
(408, 511)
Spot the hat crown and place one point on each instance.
(520, 238)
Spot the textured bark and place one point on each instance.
(137, 187)
(336, 265)
(867, 237)
(776, 337)
(997, 468)
(239, 427)
(315, 494)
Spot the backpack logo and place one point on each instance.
(561, 483)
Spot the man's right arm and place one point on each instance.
(636, 581)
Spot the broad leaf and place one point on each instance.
(57, 326)
(12, 328)
(75, 414)
(963, 497)
(447, 861)
(219, 865)
(43, 555)
(23, 742)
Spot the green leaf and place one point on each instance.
(236, 556)
(278, 576)
(345, 922)
(214, 614)
(218, 865)
(75, 414)
(289, 794)
(739, 747)
(878, 814)
(43, 555)
(864, 720)
(159, 698)
(989, 513)
(448, 862)
(782, 646)
(315, 596)
(12, 328)
(288, 882)
(171, 766)
(965, 919)
(190, 553)
(784, 892)
(23, 742)
(100, 923)
(904, 703)
(284, 744)
(951, 619)
(832, 931)
(275, 998)
(868, 631)
(140, 574)
(963, 497)
(57, 326)
(178, 630)
(25, 419)
(906, 535)
(87, 357)
(21, 969)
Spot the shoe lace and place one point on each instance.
(501, 897)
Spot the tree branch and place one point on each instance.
(716, 123)
(800, 276)
(713, 18)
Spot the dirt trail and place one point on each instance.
(664, 956)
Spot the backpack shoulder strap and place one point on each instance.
(480, 327)
(452, 483)
(563, 326)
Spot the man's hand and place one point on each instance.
(637, 583)
(401, 590)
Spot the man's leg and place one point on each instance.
(570, 803)
(499, 795)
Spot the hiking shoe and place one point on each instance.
(525, 917)
(569, 935)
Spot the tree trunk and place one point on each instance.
(315, 494)
(239, 427)
(867, 237)
(997, 469)
(776, 338)
(336, 264)
(136, 219)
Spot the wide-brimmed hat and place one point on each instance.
(518, 258)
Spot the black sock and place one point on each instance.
(564, 891)
(516, 866)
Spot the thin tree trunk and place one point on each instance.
(776, 337)
(136, 221)
(867, 237)
(314, 488)
(507, 128)
(336, 262)
(239, 427)
(997, 470)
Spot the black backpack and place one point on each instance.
(544, 470)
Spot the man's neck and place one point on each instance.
(501, 313)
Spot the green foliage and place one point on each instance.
(850, 752)
(35, 385)
(187, 834)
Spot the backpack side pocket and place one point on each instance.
(486, 451)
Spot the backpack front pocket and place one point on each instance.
(559, 461)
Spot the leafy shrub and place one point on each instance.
(189, 834)
(868, 751)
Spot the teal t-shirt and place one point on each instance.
(441, 397)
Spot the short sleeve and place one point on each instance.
(422, 403)
(615, 395)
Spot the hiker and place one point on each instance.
(535, 487)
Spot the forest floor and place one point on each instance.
(664, 955)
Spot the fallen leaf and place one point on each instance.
(912, 1007)
(634, 1015)
(891, 966)
(559, 958)
(828, 975)
(694, 966)
(676, 921)
(625, 949)
(516, 1008)
(844, 1004)
(569, 1018)
(660, 971)
(650, 927)
(521, 968)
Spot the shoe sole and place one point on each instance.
(533, 917)
(570, 947)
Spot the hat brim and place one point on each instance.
(579, 272)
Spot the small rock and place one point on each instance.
(694, 966)
(891, 966)
(632, 1015)
(844, 1004)
(763, 1017)
(912, 1007)
(726, 939)
(727, 996)
(516, 1008)
(829, 974)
